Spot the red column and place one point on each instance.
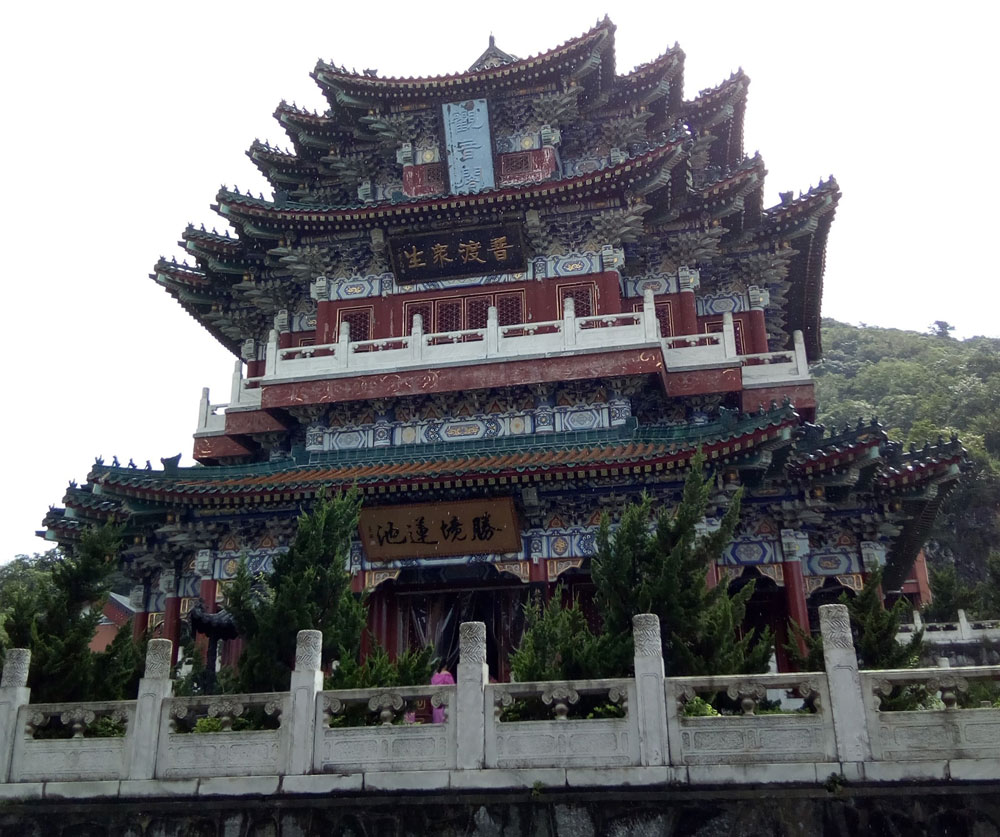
(794, 547)
(758, 332)
(688, 281)
(711, 576)
(687, 313)
(795, 594)
(172, 622)
(760, 298)
(140, 621)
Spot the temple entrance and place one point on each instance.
(765, 609)
(410, 614)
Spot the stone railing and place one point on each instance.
(521, 341)
(644, 730)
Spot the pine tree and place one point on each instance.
(876, 626)
(557, 643)
(55, 616)
(661, 572)
(309, 589)
(950, 593)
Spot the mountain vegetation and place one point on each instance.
(922, 387)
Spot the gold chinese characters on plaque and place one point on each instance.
(462, 527)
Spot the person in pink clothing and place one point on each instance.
(442, 677)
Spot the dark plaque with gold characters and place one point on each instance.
(460, 527)
(451, 254)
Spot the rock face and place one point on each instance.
(919, 810)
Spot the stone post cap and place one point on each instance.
(15, 668)
(158, 659)
(835, 626)
(472, 642)
(308, 650)
(646, 635)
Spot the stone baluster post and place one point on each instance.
(14, 694)
(728, 335)
(307, 682)
(203, 409)
(470, 703)
(343, 353)
(650, 325)
(492, 332)
(271, 353)
(417, 337)
(846, 698)
(236, 388)
(154, 686)
(801, 359)
(569, 321)
(650, 710)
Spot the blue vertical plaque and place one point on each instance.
(469, 146)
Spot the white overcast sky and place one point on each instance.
(124, 119)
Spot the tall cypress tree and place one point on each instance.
(663, 571)
(55, 616)
(309, 589)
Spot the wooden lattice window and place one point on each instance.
(477, 310)
(360, 321)
(510, 308)
(583, 298)
(426, 312)
(464, 313)
(448, 315)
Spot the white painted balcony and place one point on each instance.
(570, 335)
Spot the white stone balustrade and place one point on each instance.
(573, 733)
(521, 341)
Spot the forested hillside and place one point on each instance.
(921, 386)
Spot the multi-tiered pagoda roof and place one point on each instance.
(540, 284)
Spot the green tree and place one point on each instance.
(309, 589)
(988, 591)
(53, 605)
(557, 643)
(950, 594)
(875, 628)
(662, 571)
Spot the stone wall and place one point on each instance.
(912, 811)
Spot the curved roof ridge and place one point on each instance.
(665, 57)
(602, 27)
(723, 88)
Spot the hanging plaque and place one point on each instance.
(450, 254)
(469, 146)
(461, 527)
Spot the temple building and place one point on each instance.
(503, 302)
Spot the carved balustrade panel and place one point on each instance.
(385, 729)
(73, 741)
(581, 723)
(933, 713)
(749, 727)
(222, 735)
